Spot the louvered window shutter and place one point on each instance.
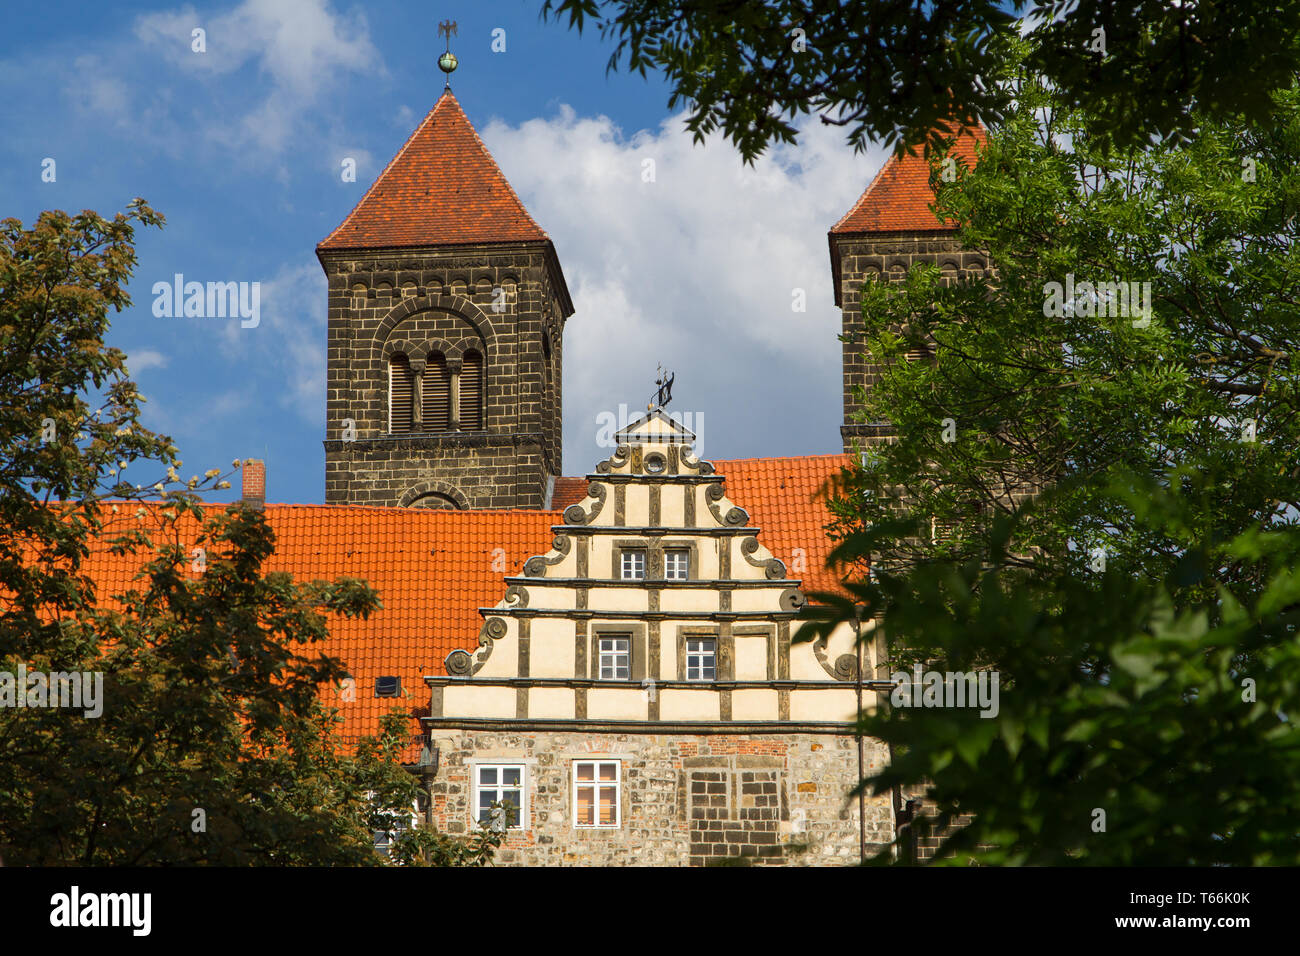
(436, 395)
(471, 392)
(401, 394)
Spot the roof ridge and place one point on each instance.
(131, 502)
(823, 455)
(483, 146)
(891, 160)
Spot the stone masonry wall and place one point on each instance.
(686, 799)
(888, 255)
(450, 296)
(478, 471)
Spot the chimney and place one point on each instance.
(254, 484)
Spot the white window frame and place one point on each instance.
(614, 653)
(696, 657)
(628, 562)
(681, 557)
(383, 840)
(596, 784)
(498, 787)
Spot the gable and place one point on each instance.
(436, 569)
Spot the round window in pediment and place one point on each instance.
(655, 464)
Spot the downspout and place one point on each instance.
(862, 796)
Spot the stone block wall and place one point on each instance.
(887, 255)
(470, 470)
(503, 299)
(686, 799)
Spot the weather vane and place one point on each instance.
(664, 395)
(447, 62)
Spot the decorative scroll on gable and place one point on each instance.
(653, 572)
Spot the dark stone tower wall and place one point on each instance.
(445, 300)
(859, 257)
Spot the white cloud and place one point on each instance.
(696, 270)
(288, 345)
(94, 90)
(301, 46)
(298, 43)
(141, 360)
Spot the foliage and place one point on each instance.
(426, 846)
(1128, 731)
(893, 70)
(1153, 569)
(212, 745)
(1070, 399)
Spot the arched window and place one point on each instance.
(401, 394)
(436, 395)
(435, 502)
(471, 391)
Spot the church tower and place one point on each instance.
(447, 308)
(890, 228)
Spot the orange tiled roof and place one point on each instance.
(899, 198)
(435, 569)
(442, 188)
(786, 502)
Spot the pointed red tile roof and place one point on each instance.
(899, 198)
(442, 188)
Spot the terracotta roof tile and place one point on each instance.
(442, 188)
(435, 569)
(785, 498)
(899, 198)
(568, 491)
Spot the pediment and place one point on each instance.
(655, 427)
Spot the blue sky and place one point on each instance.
(241, 146)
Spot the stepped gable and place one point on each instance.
(435, 569)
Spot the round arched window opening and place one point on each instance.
(435, 502)
(655, 464)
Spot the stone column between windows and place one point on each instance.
(453, 399)
(417, 394)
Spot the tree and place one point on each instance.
(1124, 730)
(200, 735)
(1151, 570)
(1191, 360)
(893, 70)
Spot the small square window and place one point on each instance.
(615, 658)
(633, 565)
(701, 659)
(596, 786)
(677, 564)
(504, 784)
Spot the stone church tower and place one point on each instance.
(447, 308)
(889, 228)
